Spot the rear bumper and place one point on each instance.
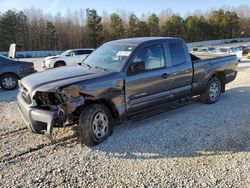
(230, 77)
(39, 121)
(22, 75)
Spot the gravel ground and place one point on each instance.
(196, 145)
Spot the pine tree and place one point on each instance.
(174, 27)
(13, 29)
(142, 29)
(51, 36)
(153, 24)
(132, 25)
(117, 28)
(94, 26)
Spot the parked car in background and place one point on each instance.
(236, 51)
(120, 79)
(69, 57)
(241, 47)
(248, 56)
(11, 70)
(204, 49)
(246, 51)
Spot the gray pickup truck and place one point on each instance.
(120, 79)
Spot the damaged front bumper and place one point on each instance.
(39, 121)
(51, 108)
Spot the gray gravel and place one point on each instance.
(196, 145)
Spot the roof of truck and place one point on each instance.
(138, 40)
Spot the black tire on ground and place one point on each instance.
(212, 92)
(8, 81)
(59, 64)
(95, 124)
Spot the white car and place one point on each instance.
(69, 57)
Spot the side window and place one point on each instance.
(177, 53)
(149, 58)
(83, 52)
(78, 52)
(72, 53)
(88, 51)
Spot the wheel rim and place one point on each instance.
(214, 91)
(100, 125)
(9, 82)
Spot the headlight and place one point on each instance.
(48, 63)
(67, 99)
(42, 99)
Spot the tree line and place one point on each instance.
(36, 31)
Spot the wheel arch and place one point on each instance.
(108, 103)
(221, 75)
(60, 61)
(10, 73)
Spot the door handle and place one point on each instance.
(165, 75)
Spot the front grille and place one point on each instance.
(25, 95)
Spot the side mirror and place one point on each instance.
(137, 66)
(67, 55)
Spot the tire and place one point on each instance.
(212, 92)
(59, 64)
(8, 81)
(95, 124)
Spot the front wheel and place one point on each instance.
(8, 81)
(212, 92)
(95, 124)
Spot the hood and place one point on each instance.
(50, 57)
(53, 79)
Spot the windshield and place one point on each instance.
(66, 53)
(109, 57)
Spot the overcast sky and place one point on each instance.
(137, 6)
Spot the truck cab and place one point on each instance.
(166, 65)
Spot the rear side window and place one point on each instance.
(177, 53)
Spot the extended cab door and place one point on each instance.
(147, 81)
(181, 72)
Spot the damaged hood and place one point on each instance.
(53, 79)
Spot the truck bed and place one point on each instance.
(203, 68)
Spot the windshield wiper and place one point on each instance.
(100, 68)
(87, 65)
(94, 66)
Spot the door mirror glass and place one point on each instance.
(137, 66)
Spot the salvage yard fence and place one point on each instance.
(36, 54)
(33, 54)
(218, 42)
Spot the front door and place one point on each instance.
(148, 79)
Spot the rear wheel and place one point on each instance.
(59, 64)
(95, 124)
(212, 92)
(8, 81)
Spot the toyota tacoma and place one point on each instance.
(120, 79)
